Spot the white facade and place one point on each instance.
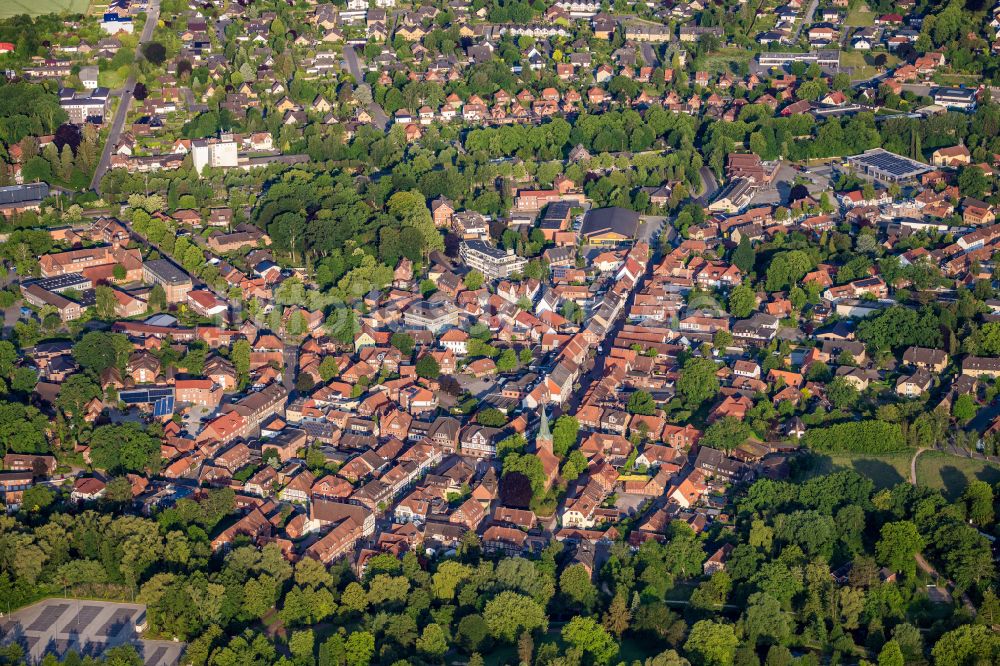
(214, 153)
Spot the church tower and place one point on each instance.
(543, 440)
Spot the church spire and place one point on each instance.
(544, 436)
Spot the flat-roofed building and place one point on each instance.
(435, 314)
(961, 99)
(881, 165)
(827, 58)
(85, 105)
(216, 153)
(492, 262)
(175, 282)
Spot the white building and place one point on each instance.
(217, 153)
(88, 77)
(492, 262)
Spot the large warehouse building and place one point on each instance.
(610, 226)
(881, 165)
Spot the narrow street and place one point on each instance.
(121, 114)
(807, 19)
(353, 61)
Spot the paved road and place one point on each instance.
(807, 19)
(291, 363)
(709, 186)
(118, 124)
(378, 114)
(190, 103)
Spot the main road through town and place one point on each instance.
(118, 123)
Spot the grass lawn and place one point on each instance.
(856, 60)
(884, 470)
(10, 8)
(951, 474)
(726, 60)
(860, 17)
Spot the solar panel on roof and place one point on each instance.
(164, 406)
(142, 396)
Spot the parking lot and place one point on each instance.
(818, 181)
(58, 626)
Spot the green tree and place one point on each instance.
(711, 643)
(842, 394)
(328, 368)
(742, 301)
(964, 408)
(744, 256)
(301, 645)
(37, 498)
(240, 356)
(891, 655)
(97, 351)
(124, 448)
(564, 434)
(473, 280)
(726, 434)
(157, 299)
(428, 367)
(765, 620)
(641, 402)
(697, 382)
(978, 497)
(617, 618)
(433, 642)
(507, 360)
(75, 393)
(967, 646)
(403, 342)
(359, 648)
(576, 586)
(492, 417)
(972, 182)
(510, 613)
(899, 543)
(584, 633)
(354, 598)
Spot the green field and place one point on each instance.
(10, 8)
(727, 60)
(860, 17)
(859, 62)
(951, 474)
(885, 470)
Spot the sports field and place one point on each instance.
(10, 8)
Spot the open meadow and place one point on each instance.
(10, 8)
